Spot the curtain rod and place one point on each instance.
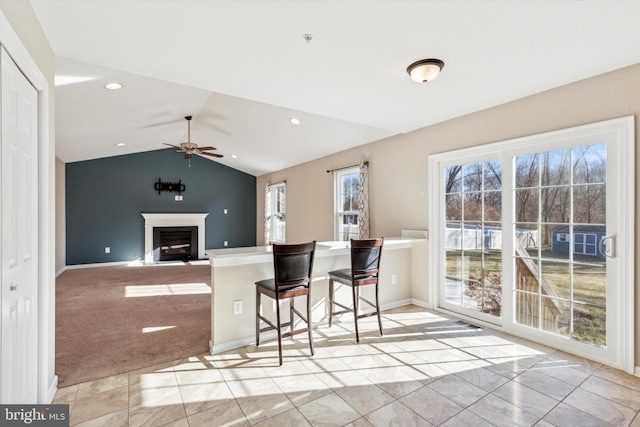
(346, 167)
(284, 181)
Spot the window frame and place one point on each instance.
(339, 214)
(274, 212)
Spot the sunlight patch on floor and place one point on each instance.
(166, 289)
(156, 328)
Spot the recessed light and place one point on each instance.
(233, 156)
(294, 120)
(120, 144)
(113, 86)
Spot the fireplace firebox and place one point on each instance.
(175, 243)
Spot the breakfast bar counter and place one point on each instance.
(234, 272)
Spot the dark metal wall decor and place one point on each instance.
(170, 187)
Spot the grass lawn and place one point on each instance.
(583, 283)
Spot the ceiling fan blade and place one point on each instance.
(207, 148)
(211, 154)
(218, 129)
(171, 145)
(159, 124)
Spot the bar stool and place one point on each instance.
(292, 266)
(365, 267)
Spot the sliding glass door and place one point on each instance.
(536, 235)
(560, 201)
(472, 246)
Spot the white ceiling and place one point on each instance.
(243, 69)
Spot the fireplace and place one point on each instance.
(173, 220)
(175, 243)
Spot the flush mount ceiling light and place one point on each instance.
(425, 70)
(120, 144)
(113, 86)
(294, 120)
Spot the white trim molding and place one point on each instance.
(152, 220)
(47, 380)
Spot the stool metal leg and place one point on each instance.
(378, 310)
(309, 325)
(257, 318)
(279, 332)
(356, 297)
(291, 308)
(330, 301)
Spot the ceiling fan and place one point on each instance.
(189, 148)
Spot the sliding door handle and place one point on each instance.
(609, 251)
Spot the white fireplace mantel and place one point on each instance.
(152, 220)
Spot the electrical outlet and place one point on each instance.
(226, 243)
(394, 279)
(225, 211)
(237, 307)
(107, 250)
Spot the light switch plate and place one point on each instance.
(237, 307)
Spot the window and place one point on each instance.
(473, 235)
(276, 221)
(562, 237)
(347, 186)
(585, 243)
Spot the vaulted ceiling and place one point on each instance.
(243, 69)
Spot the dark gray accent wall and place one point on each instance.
(105, 199)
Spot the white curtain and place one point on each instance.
(363, 201)
(267, 214)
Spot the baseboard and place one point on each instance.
(637, 371)
(62, 270)
(104, 264)
(51, 393)
(422, 304)
(392, 305)
(230, 345)
(242, 342)
(134, 263)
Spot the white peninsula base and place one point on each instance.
(234, 271)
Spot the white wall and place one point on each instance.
(61, 230)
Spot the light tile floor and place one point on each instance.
(428, 369)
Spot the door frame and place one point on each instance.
(14, 46)
(622, 218)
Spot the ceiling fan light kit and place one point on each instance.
(189, 148)
(425, 70)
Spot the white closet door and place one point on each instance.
(19, 225)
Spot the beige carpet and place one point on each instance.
(112, 320)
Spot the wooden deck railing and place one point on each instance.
(531, 310)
